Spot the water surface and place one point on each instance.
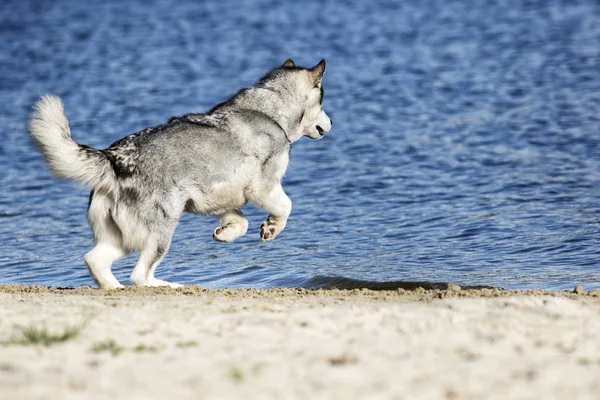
(465, 147)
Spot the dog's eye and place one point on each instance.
(322, 94)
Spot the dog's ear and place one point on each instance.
(289, 63)
(317, 72)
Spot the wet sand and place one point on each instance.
(155, 343)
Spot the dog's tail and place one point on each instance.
(49, 127)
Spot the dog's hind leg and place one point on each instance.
(233, 225)
(150, 257)
(99, 262)
(159, 222)
(108, 242)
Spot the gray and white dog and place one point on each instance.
(206, 164)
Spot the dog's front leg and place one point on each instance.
(279, 206)
(233, 225)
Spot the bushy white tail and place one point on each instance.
(49, 126)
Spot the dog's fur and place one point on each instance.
(206, 164)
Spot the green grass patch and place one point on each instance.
(187, 344)
(142, 348)
(34, 335)
(110, 346)
(236, 375)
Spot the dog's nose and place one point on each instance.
(330, 122)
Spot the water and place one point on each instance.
(465, 147)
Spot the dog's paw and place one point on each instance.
(228, 233)
(173, 285)
(270, 229)
(111, 286)
(159, 282)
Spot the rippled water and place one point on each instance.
(465, 147)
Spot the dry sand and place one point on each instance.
(195, 343)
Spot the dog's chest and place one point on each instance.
(274, 166)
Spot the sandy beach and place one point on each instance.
(194, 343)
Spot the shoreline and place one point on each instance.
(195, 343)
(452, 291)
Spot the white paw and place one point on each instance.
(170, 284)
(228, 233)
(159, 282)
(271, 228)
(110, 286)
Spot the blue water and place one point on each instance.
(465, 149)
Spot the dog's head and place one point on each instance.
(303, 90)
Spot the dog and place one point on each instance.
(205, 164)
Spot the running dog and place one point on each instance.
(206, 164)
